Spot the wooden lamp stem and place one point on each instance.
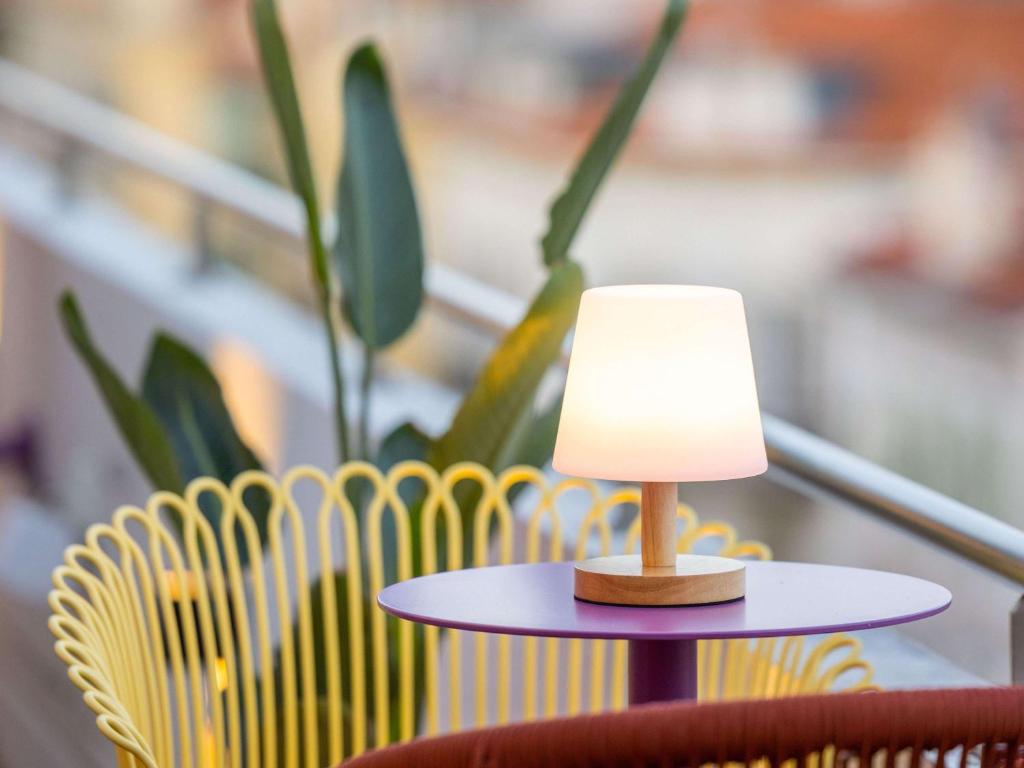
(657, 576)
(658, 503)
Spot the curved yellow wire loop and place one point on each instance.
(202, 635)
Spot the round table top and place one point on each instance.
(782, 599)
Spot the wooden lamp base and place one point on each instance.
(693, 580)
(659, 576)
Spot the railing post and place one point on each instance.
(201, 239)
(68, 165)
(1017, 643)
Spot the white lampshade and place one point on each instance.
(660, 387)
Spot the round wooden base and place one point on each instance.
(625, 580)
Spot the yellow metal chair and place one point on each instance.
(193, 653)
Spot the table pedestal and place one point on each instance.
(662, 670)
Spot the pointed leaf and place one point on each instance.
(571, 206)
(406, 442)
(280, 82)
(505, 389)
(534, 442)
(379, 250)
(187, 399)
(135, 420)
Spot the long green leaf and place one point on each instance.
(135, 420)
(379, 249)
(280, 82)
(404, 443)
(572, 204)
(187, 399)
(504, 391)
(534, 442)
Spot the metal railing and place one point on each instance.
(81, 126)
(817, 467)
(798, 459)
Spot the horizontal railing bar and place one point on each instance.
(815, 466)
(104, 131)
(107, 132)
(798, 458)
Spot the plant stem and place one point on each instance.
(340, 419)
(366, 388)
(326, 295)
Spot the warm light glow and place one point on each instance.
(660, 387)
(174, 585)
(253, 397)
(220, 673)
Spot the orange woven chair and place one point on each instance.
(981, 727)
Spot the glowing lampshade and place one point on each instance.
(660, 387)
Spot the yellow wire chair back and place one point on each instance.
(197, 653)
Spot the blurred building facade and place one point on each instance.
(853, 167)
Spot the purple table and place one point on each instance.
(782, 599)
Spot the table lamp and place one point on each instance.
(660, 390)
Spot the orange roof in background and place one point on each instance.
(915, 56)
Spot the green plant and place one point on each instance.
(496, 423)
(177, 427)
(372, 279)
(380, 260)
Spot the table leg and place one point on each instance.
(662, 670)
